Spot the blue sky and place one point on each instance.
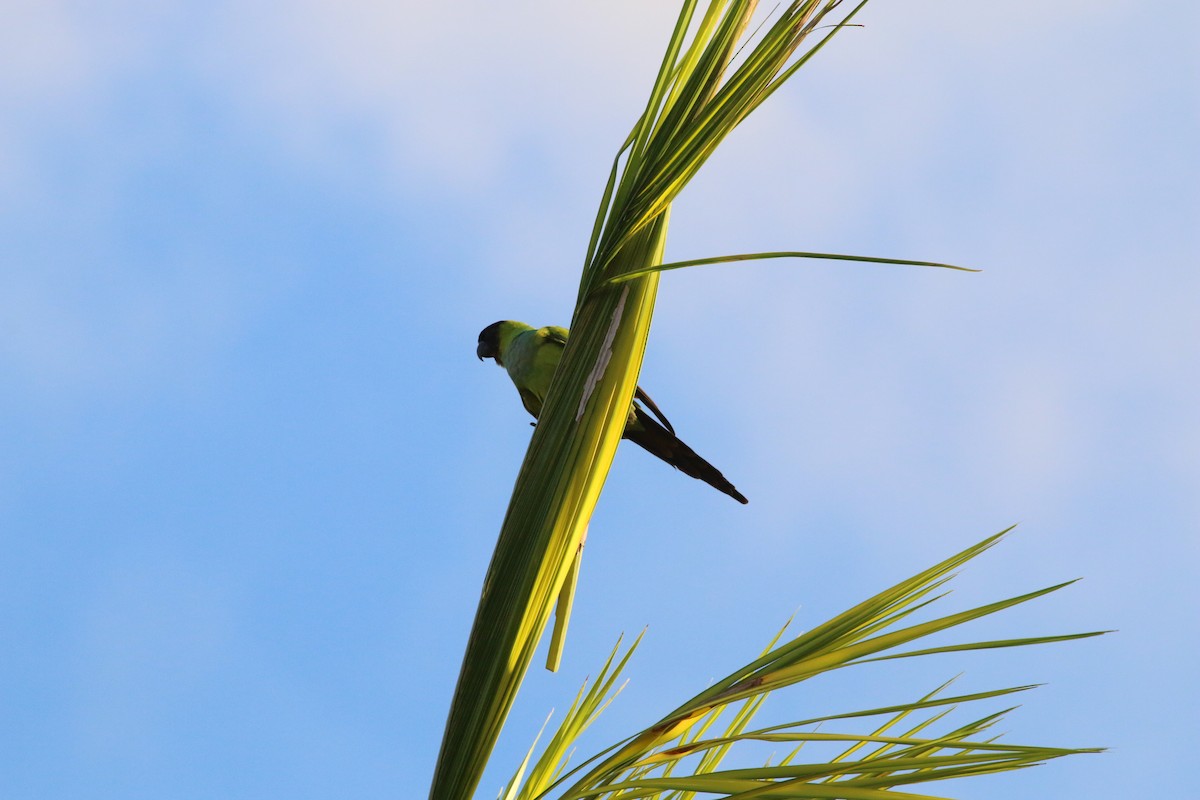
(252, 472)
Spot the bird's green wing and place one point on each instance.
(556, 334)
(531, 358)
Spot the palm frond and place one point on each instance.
(696, 262)
(587, 706)
(707, 84)
(676, 757)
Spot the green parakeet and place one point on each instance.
(531, 355)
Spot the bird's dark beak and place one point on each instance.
(482, 351)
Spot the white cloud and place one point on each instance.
(864, 151)
(44, 52)
(80, 313)
(448, 90)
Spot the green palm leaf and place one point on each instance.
(675, 758)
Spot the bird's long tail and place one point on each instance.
(648, 434)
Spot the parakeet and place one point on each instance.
(531, 355)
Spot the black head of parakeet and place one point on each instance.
(489, 342)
